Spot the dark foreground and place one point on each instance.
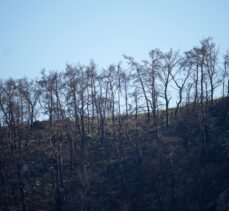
(134, 171)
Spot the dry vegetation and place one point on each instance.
(111, 140)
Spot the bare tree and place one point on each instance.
(211, 67)
(91, 75)
(139, 74)
(170, 61)
(180, 78)
(71, 86)
(193, 59)
(46, 86)
(225, 76)
(7, 104)
(154, 67)
(31, 94)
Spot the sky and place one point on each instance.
(37, 34)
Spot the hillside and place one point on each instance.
(173, 172)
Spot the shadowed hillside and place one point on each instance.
(173, 170)
(110, 140)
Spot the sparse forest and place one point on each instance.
(139, 135)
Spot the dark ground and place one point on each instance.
(175, 173)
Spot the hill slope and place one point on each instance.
(175, 172)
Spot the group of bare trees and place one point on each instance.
(93, 99)
(83, 102)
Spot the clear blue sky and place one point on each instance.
(36, 34)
